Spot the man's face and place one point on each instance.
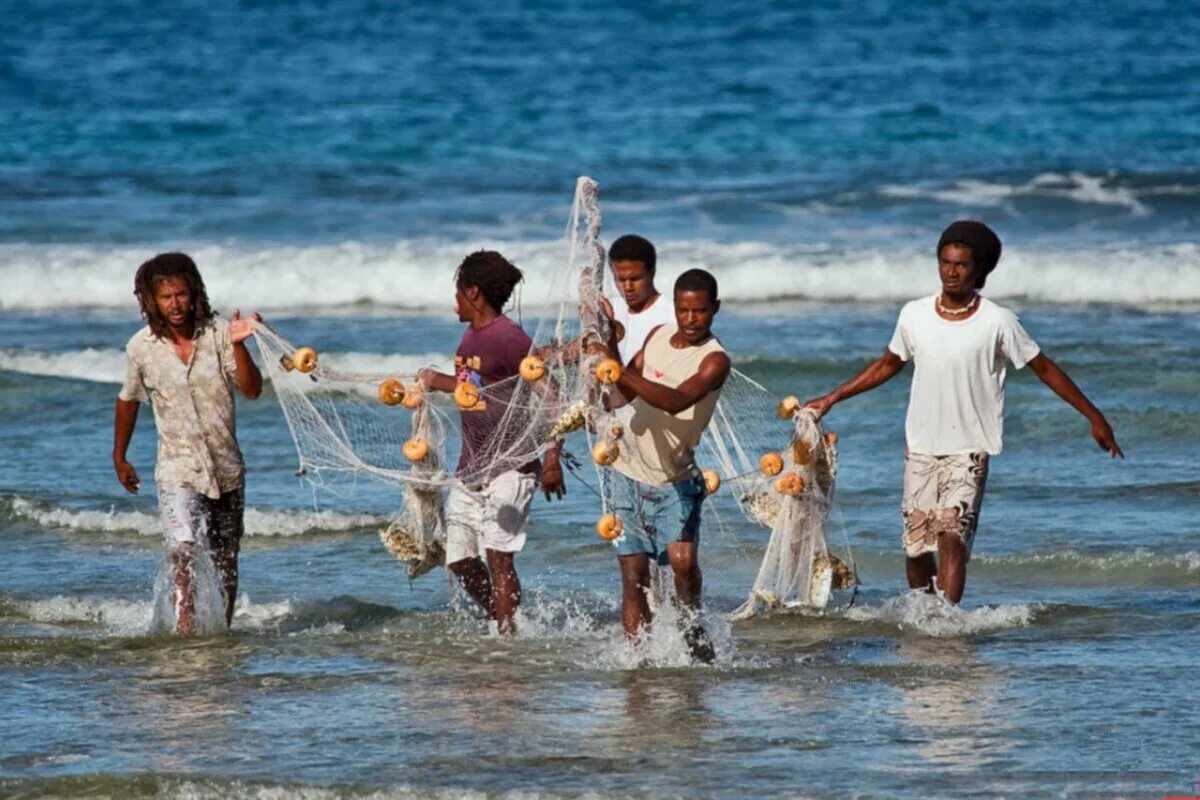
(694, 312)
(174, 301)
(634, 282)
(956, 266)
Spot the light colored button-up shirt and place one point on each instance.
(193, 408)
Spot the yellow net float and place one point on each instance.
(413, 398)
(416, 450)
(605, 453)
(609, 527)
(532, 368)
(305, 359)
(788, 407)
(608, 371)
(790, 484)
(771, 464)
(831, 438)
(391, 392)
(712, 481)
(466, 395)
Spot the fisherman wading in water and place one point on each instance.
(959, 343)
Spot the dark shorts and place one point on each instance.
(653, 518)
(189, 518)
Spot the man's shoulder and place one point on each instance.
(139, 341)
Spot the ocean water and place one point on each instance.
(330, 164)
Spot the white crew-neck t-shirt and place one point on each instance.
(638, 326)
(957, 400)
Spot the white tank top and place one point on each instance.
(638, 326)
(657, 448)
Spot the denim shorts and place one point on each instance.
(654, 517)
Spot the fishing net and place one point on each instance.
(385, 427)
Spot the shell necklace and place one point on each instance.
(957, 312)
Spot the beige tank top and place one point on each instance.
(657, 448)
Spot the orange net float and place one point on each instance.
(790, 484)
(609, 527)
(532, 368)
(605, 453)
(305, 359)
(771, 464)
(413, 398)
(466, 395)
(391, 392)
(416, 450)
(788, 407)
(712, 481)
(608, 371)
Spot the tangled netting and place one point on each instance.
(385, 427)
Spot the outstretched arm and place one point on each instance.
(436, 381)
(1053, 376)
(874, 374)
(125, 418)
(714, 369)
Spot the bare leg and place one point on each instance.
(921, 572)
(476, 580)
(225, 559)
(635, 587)
(686, 566)
(182, 561)
(506, 590)
(952, 569)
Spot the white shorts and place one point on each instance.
(493, 518)
(189, 517)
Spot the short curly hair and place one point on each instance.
(492, 274)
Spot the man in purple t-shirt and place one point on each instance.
(488, 510)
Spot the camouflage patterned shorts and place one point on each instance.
(942, 494)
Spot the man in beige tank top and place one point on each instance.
(672, 386)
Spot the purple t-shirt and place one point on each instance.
(487, 356)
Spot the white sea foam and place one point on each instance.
(1075, 186)
(116, 616)
(259, 522)
(108, 365)
(933, 616)
(417, 275)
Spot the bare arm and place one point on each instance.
(248, 378)
(436, 381)
(714, 369)
(878, 372)
(1053, 376)
(125, 419)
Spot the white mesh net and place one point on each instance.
(383, 426)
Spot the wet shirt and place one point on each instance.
(193, 408)
(487, 357)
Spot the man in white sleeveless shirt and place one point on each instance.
(634, 261)
(958, 342)
(672, 385)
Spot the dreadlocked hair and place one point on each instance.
(492, 274)
(163, 267)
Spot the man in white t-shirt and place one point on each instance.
(958, 342)
(633, 261)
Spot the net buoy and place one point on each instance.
(712, 481)
(605, 453)
(618, 331)
(608, 371)
(532, 368)
(788, 407)
(413, 397)
(790, 484)
(391, 392)
(416, 450)
(802, 452)
(771, 464)
(305, 359)
(466, 395)
(831, 438)
(609, 527)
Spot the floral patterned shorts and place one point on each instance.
(942, 494)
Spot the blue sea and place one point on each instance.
(330, 163)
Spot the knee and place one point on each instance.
(683, 560)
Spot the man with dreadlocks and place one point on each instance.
(185, 363)
(958, 342)
(487, 510)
